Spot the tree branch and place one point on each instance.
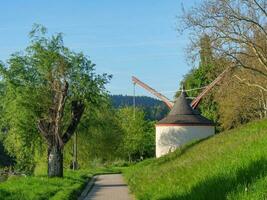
(260, 7)
(60, 110)
(43, 127)
(241, 64)
(244, 81)
(77, 112)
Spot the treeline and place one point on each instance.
(153, 108)
(229, 34)
(113, 135)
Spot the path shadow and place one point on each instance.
(219, 187)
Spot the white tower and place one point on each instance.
(182, 125)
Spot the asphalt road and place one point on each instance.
(109, 187)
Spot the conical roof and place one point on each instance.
(183, 113)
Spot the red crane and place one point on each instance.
(170, 104)
(196, 101)
(152, 91)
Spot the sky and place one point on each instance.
(122, 37)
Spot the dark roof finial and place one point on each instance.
(183, 113)
(183, 87)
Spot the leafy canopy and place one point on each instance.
(31, 79)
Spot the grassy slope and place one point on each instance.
(230, 165)
(42, 188)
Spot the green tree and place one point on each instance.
(99, 137)
(201, 76)
(48, 89)
(138, 134)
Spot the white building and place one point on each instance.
(182, 125)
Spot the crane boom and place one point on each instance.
(170, 104)
(153, 91)
(196, 101)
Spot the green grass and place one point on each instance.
(41, 188)
(230, 165)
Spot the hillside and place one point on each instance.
(153, 108)
(230, 165)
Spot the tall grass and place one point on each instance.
(41, 187)
(230, 165)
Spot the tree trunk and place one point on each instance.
(55, 161)
(56, 140)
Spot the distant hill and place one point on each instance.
(154, 109)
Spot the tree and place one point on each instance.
(197, 78)
(138, 138)
(50, 87)
(5, 160)
(237, 102)
(238, 30)
(99, 136)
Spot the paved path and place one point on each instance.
(109, 187)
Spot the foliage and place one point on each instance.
(200, 77)
(5, 159)
(237, 38)
(34, 80)
(98, 137)
(111, 135)
(237, 29)
(230, 165)
(22, 138)
(107, 137)
(238, 103)
(138, 135)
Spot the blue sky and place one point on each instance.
(122, 37)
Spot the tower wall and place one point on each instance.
(170, 137)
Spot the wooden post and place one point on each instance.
(75, 159)
(134, 99)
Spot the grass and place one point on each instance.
(41, 188)
(230, 165)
